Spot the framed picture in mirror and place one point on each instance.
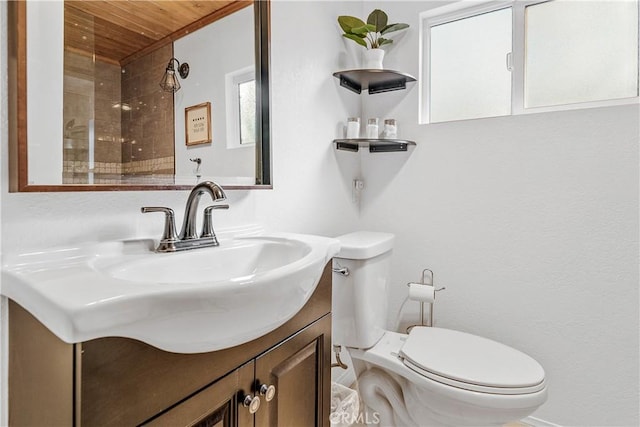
(197, 122)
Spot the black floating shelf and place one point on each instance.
(374, 145)
(375, 81)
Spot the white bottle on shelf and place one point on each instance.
(353, 127)
(372, 128)
(390, 129)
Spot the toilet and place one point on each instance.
(431, 376)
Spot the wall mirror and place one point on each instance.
(145, 95)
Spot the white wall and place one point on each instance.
(213, 51)
(45, 85)
(531, 223)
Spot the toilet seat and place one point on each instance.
(470, 362)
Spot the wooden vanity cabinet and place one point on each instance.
(293, 367)
(124, 382)
(218, 405)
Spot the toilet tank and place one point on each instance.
(359, 300)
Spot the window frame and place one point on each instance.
(461, 10)
(233, 80)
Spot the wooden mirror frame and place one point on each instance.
(17, 73)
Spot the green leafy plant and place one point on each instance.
(369, 34)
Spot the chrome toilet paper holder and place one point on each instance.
(422, 303)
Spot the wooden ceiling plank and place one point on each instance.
(130, 18)
(124, 30)
(93, 34)
(212, 17)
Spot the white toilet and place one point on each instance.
(431, 376)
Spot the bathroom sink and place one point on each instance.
(236, 262)
(187, 302)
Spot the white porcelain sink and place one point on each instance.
(236, 261)
(186, 302)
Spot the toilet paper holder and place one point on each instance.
(424, 282)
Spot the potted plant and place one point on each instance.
(370, 34)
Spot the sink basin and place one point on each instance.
(237, 261)
(186, 302)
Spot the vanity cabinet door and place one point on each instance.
(299, 370)
(219, 405)
(40, 376)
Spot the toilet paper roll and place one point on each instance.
(420, 292)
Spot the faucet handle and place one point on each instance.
(208, 209)
(207, 224)
(169, 235)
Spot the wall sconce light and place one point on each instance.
(169, 81)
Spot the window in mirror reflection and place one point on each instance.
(240, 96)
(247, 101)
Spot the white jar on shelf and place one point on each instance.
(372, 128)
(353, 127)
(390, 129)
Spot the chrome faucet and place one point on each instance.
(188, 231)
(188, 237)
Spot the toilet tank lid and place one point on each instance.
(364, 244)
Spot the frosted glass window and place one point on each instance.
(240, 100)
(580, 51)
(247, 104)
(469, 77)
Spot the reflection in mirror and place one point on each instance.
(118, 129)
(118, 123)
(211, 68)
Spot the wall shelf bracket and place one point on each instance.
(375, 81)
(374, 145)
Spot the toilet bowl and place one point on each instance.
(431, 376)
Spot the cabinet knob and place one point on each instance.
(251, 402)
(268, 391)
